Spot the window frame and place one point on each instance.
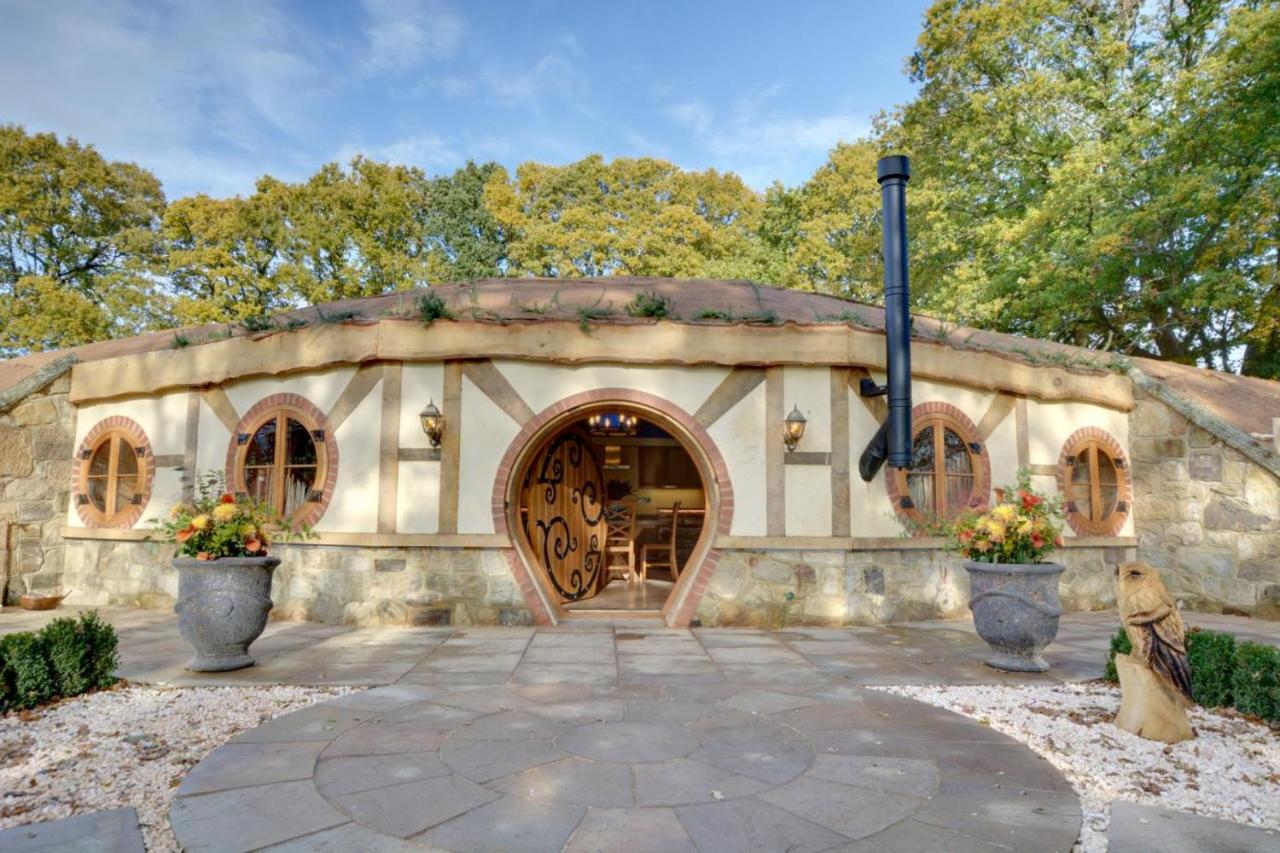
(1096, 440)
(941, 416)
(120, 432)
(286, 406)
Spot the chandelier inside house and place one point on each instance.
(612, 423)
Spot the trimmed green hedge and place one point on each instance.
(64, 658)
(1224, 673)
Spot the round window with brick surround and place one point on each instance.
(284, 455)
(949, 470)
(114, 472)
(1093, 477)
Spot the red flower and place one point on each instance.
(1029, 500)
(184, 534)
(227, 498)
(1059, 541)
(966, 536)
(1037, 541)
(253, 544)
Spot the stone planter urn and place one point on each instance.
(1015, 609)
(222, 608)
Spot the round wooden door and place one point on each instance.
(563, 513)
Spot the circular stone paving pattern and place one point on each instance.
(582, 768)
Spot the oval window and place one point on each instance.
(1094, 482)
(282, 461)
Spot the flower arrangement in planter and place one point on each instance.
(224, 572)
(1013, 591)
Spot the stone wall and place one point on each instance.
(774, 589)
(322, 583)
(36, 446)
(1205, 515)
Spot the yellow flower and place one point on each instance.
(1005, 512)
(1025, 527)
(224, 512)
(247, 530)
(200, 522)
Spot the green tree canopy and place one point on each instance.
(79, 243)
(625, 217)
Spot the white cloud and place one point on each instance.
(556, 73)
(404, 33)
(426, 150)
(181, 90)
(761, 143)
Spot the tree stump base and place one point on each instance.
(1149, 707)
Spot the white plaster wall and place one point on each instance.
(212, 442)
(972, 402)
(164, 420)
(871, 514)
(420, 384)
(354, 505)
(543, 384)
(1051, 424)
(740, 437)
(1002, 447)
(809, 389)
(486, 433)
(321, 387)
(418, 497)
(808, 500)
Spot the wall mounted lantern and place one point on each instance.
(794, 428)
(433, 423)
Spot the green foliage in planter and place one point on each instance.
(1211, 655)
(1256, 680)
(1120, 645)
(65, 658)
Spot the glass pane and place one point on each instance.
(959, 489)
(257, 482)
(127, 462)
(126, 488)
(298, 481)
(300, 448)
(958, 459)
(98, 493)
(1108, 488)
(101, 461)
(921, 488)
(922, 451)
(1079, 490)
(262, 446)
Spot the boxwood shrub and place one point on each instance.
(64, 658)
(1224, 673)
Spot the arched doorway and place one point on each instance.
(599, 449)
(611, 506)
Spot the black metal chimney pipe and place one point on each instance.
(892, 441)
(893, 174)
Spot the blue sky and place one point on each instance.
(210, 95)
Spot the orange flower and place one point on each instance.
(1059, 541)
(966, 536)
(253, 544)
(1037, 541)
(184, 534)
(227, 498)
(204, 555)
(1029, 500)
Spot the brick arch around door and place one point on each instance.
(687, 594)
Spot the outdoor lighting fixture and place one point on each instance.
(795, 428)
(433, 423)
(618, 423)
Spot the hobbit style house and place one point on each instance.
(530, 451)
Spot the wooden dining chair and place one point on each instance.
(620, 540)
(663, 553)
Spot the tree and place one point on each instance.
(1100, 173)
(828, 229)
(626, 217)
(463, 240)
(79, 243)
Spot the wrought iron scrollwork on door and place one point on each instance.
(563, 490)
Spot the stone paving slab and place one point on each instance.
(577, 767)
(111, 831)
(1138, 829)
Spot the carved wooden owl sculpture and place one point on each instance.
(1154, 626)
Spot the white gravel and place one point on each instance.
(1231, 770)
(129, 746)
